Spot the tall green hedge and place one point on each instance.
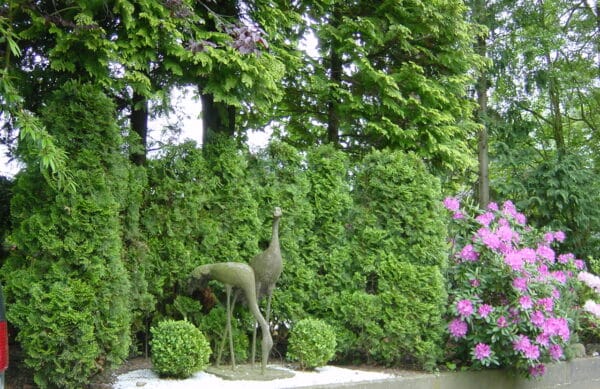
(67, 286)
(199, 208)
(398, 258)
(280, 180)
(363, 246)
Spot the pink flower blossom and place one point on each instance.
(526, 302)
(522, 343)
(452, 204)
(475, 283)
(468, 253)
(514, 260)
(560, 236)
(528, 254)
(509, 209)
(502, 322)
(565, 258)
(489, 239)
(485, 219)
(465, 307)
(579, 264)
(458, 328)
(503, 222)
(506, 234)
(537, 370)
(555, 293)
(548, 237)
(555, 351)
(543, 270)
(559, 276)
(482, 351)
(538, 319)
(546, 253)
(520, 218)
(546, 303)
(557, 326)
(592, 307)
(492, 206)
(532, 352)
(484, 310)
(520, 284)
(458, 215)
(543, 340)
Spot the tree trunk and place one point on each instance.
(557, 125)
(139, 124)
(482, 102)
(217, 118)
(335, 75)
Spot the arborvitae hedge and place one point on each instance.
(398, 257)
(67, 287)
(363, 247)
(280, 180)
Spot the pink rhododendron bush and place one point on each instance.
(512, 295)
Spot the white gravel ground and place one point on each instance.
(147, 379)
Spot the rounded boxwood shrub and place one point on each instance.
(179, 349)
(312, 343)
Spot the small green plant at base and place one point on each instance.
(179, 349)
(312, 343)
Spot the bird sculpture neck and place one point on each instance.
(275, 234)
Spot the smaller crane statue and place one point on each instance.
(241, 276)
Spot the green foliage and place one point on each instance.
(410, 64)
(327, 250)
(135, 249)
(5, 224)
(312, 343)
(561, 193)
(60, 342)
(213, 326)
(280, 180)
(372, 269)
(172, 216)
(199, 209)
(398, 258)
(398, 211)
(179, 349)
(229, 226)
(543, 114)
(67, 287)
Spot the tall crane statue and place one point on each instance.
(267, 267)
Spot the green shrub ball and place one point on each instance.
(179, 349)
(312, 343)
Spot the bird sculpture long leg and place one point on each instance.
(267, 318)
(227, 334)
(229, 331)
